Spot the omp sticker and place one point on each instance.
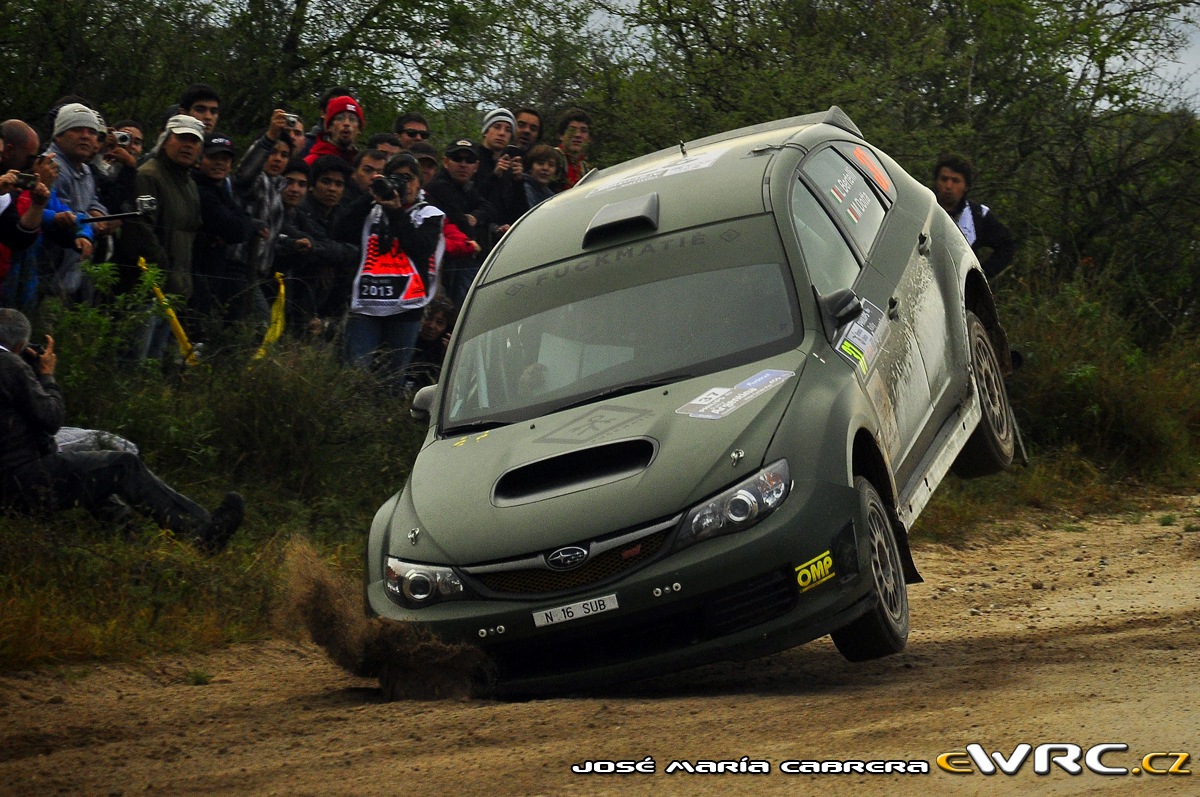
(688, 163)
(815, 571)
(604, 420)
(863, 338)
(718, 402)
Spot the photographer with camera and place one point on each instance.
(20, 221)
(401, 240)
(116, 168)
(258, 184)
(41, 211)
(34, 474)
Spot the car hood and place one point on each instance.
(582, 473)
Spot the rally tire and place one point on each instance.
(992, 446)
(883, 630)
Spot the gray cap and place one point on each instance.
(74, 115)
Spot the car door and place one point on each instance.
(839, 212)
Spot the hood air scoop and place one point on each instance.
(574, 471)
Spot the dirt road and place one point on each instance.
(1086, 634)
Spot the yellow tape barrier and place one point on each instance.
(185, 346)
(275, 330)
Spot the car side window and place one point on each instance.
(830, 262)
(847, 194)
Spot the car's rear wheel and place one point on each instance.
(991, 447)
(883, 630)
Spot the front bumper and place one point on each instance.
(798, 575)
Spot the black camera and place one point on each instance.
(32, 354)
(513, 151)
(386, 187)
(26, 181)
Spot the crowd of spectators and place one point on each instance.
(377, 238)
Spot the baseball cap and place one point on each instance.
(462, 145)
(218, 142)
(184, 125)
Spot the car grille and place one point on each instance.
(602, 567)
(750, 603)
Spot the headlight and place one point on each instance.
(417, 585)
(739, 507)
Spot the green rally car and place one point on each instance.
(691, 408)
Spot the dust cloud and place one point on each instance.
(410, 662)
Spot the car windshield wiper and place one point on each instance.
(473, 426)
(621, 390)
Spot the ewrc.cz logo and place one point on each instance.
(1066, 756)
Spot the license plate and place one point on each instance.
(575, 611)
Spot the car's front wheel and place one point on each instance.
(991, 448)
(883, 630)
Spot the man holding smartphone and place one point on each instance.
(501, 173)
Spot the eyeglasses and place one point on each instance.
(411, 133)
(459, 157)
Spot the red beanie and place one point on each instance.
(344, 103)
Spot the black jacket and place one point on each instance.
(457, 201)
(31, 411)
(989, 234)
(327, 269)
(224, 224)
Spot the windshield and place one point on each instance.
(662, 309)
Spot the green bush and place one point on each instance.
(1088, 384)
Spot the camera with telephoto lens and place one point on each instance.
(386, 187)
